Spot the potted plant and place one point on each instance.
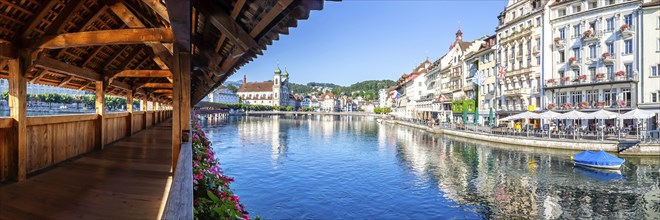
(600, 75)
(606, 55)
(588, 33)
(620, 73)
(564, 79)
(584, 104)
(552, 81)
(599, 104)
(557, 39)
(567, 106)
(582, 77)
(552, 106)
(572, 60)
(622, 103)
(624, 27)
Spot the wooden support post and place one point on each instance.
(18, 112)
(129, 109)
(180, 102)
(100, 111)
(145, 100)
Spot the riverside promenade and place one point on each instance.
(566, 144)
(312, 113)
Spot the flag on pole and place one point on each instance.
(502, 72)
(479, 78)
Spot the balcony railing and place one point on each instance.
(592, 37)
(576, 63)
(560, 44)
(609, 59)
(627, 32)
(587, 80)
(592, 105)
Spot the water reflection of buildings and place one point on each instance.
(521, 185)
(254, 130)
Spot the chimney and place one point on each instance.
(244, 79)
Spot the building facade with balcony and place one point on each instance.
(483, 62)
(594, 62)
(649, 29)
(520, 51)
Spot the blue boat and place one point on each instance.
(598, 159)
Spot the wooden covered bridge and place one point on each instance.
(168, 53)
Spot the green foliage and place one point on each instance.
(4, 96)
(232, 88)
(289, 108)
(384, 110)
(367, 89)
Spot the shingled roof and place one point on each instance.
(256, 87)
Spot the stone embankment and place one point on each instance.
(566, 144)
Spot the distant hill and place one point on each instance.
(236, 83)
(367, 89)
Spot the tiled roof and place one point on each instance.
(256, 87)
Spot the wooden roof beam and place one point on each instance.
(226, 24)
(132, 21)
(269, 18)
(65, 15)
(159, 8)
(143, 73)
(106, 37)
(43, 11)
(54, 65)
(180, 20)
(154, 85)
(65, 81)
(8, 52)
(162, 91)
(38, 75)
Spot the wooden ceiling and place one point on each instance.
(228, 34)
(128, 44)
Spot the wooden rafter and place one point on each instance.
(268, 19)
(226, 24)
(159, 8)
(132, 21)
(54, 65)
(35, 20)
(105, 37)
(38, 75)
(158, 91)
(86, 85)
(154, 85)
(57, 26)
(112, 58)
(8, 51)
(92, 55)
(65, 81)
(142, 74)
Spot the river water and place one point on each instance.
(331, 167)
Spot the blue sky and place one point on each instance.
(352, 41)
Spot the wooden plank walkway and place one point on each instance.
(127, 180)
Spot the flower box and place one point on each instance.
(551, 106)
(567, 106)
(582, 77)
(572, 60)
(564, 79)
(588, 33)
(584, 104)
(620, 73)
(624, 27)
(622, 103)
(599, 104)
(557, 39)
(600, 75)
(606, 54)
(551, 81)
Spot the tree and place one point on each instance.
(232, 88)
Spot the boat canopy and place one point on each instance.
(599, 158)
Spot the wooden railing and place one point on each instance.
(180, 198)
(54, 139)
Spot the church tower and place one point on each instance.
(277, 95)
(284, 89)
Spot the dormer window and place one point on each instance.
(561, 12)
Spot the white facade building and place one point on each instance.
(272, 93)
(222, 95)
(649, 29)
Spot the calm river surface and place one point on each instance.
(330, 167)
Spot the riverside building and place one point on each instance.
(271, 93)
(594, 62)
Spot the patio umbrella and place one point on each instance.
(573, 115)
(549, 115)
(602, 114)
(637, 114)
